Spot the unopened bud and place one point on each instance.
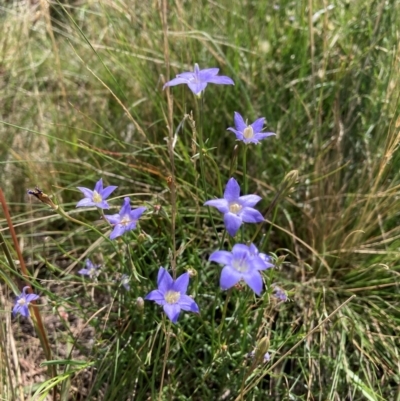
(280, 260)
(192, 272)
(140, 303)
(141, 238)
(262, 348)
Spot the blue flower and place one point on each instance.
(171, 295)
(236, 209)
(125, 220)
(91, 270)
(249, 133)
(97, 196)
(198, 79)
(22, 302)
(240, 264)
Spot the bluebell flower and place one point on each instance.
(97, 196)
(125, 220)
(198, 79)
(249, 133)
(171, 295)
(236, 209)
(22, 302)
(91, 270)
(239, 265)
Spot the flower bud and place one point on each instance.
(261, 348)
(140, 303)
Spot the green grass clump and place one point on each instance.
(81, 98)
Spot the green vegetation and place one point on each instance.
(81, 98)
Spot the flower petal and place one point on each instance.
(240, 251)
(188, 76)
(106, 192)
(238, 134)
(221, 204)
(254, 281)
(126, 207)
(223, 257)
(187, 303)
(113, 219)
(239, 122)
(164, 280)
(206, 74)
(119, 229)
(220, 80)
(249, 200)
(258, 125)
(229, 277)
(197, 87)
(250, 215)
(261, 135)
(136, 213)
(156, 296)
(31, 297)
(175, 81)
(102, 205)
(181, 283)
(85, 202)
(232, 190)
(87, 192)
(172, 311)
(99, 186)
(232, 223)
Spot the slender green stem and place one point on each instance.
(167, 348)
(202, 164)
(245, 180)
(221, 326)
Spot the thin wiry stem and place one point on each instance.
(170, 122)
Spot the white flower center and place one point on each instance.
(21, 302)
(172, 297)
(125, 220)
(240, 265)
(97, 198)
(235, 207)
(248, 132)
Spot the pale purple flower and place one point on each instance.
(97, 196)
(239, 264)
(198, 79)
(22, 302)
(171, 295)
(125, 220)
(91, 270)
(249, 133)
(125, 282)
(280, 293)
(236, 209)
